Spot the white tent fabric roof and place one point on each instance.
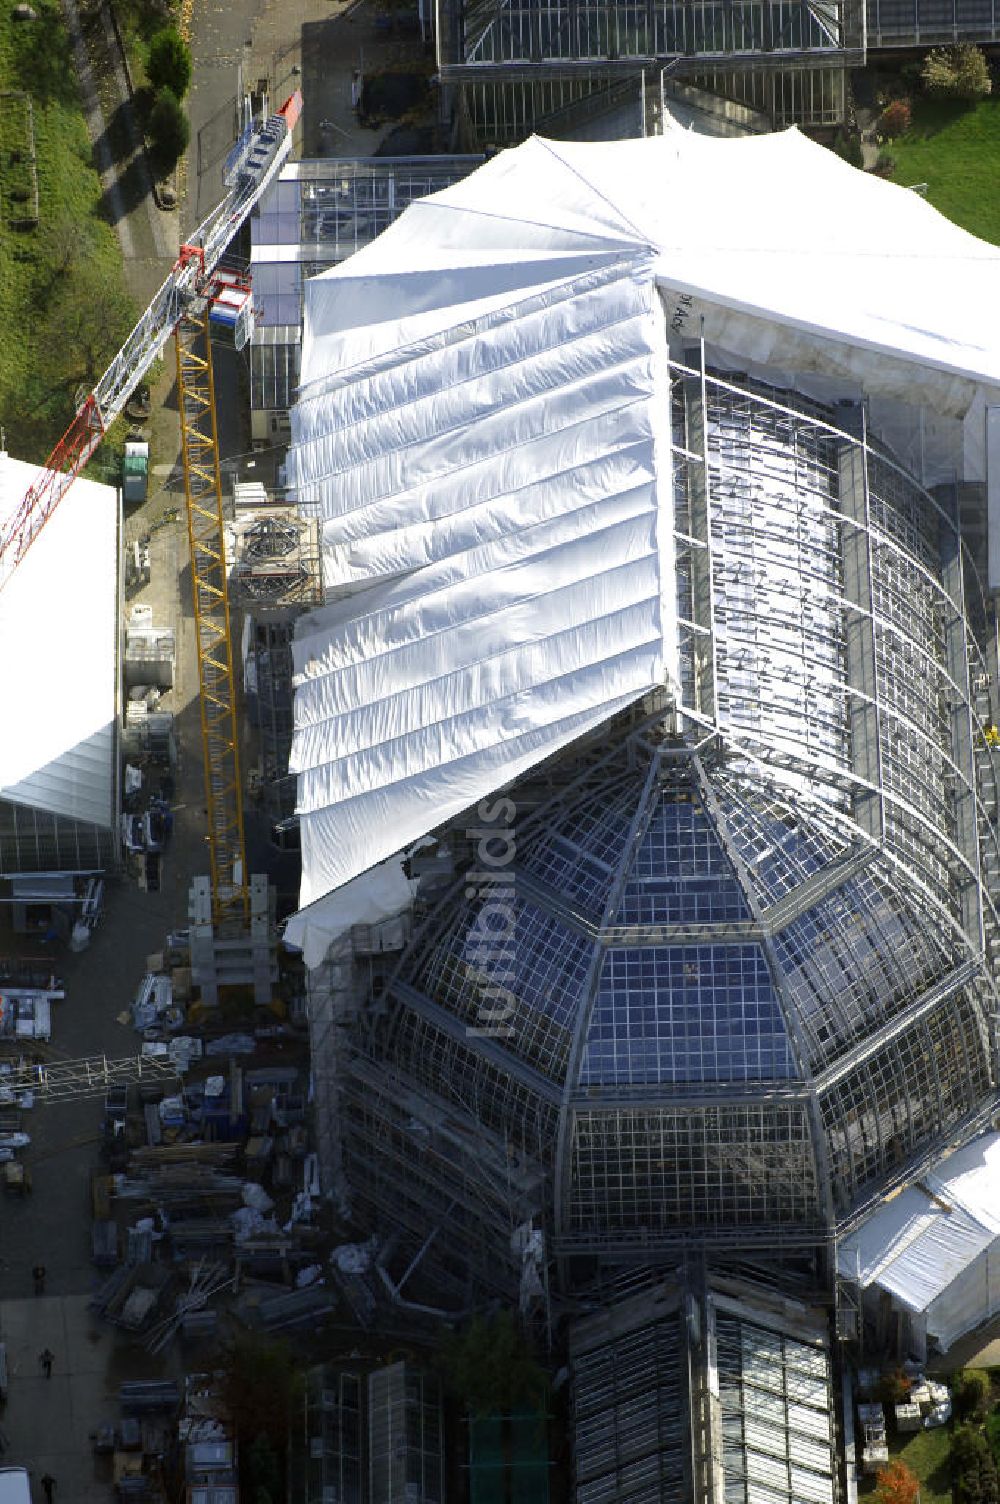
(58, 655)
(483, 431)
(916, 1245)
(772, 226)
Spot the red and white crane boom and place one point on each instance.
(252, 165)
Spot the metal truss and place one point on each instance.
(219, 727)
(92, 1076)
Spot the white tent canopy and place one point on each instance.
(483, 432)
(58, 655)
(934, 1247)
(772, 227)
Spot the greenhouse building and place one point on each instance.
(643, 744)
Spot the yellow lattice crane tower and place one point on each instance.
(210, 591)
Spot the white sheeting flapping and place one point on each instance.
(58, 655)
(483, 431)
(924, 1245)
(498, 490)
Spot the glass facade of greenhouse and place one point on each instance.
(727, 983)
(524, 65)
(545, 65)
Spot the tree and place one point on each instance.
(491, 1368)
(848, 145)
(973, 1469)
(972, 72)
(896, 1484)
(894, 1388)
(895, 119)
(168, 129)
(260, 1385)
(264, 1470)
(960, 72)
(169, 63)
(970, 1393)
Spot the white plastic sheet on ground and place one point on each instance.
(931, 1245)
(483, 432)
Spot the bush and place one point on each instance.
(491, 1368)
(848, 146)
(169, 62)
(885, 165)
(970, 1393)
(897, 1484)
(894, 1388)
(973, 1469)
(168, 129)
(896, 118)
(960, 72)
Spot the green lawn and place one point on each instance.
(955, 149)
(63, 308)
(926, 1453)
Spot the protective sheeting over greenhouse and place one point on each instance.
(934, 1247)
(483, 431)
(505, 498)
(772, 227)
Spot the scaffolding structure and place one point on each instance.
(702, 1389)
(405, 1436)
(276, 562)
(326, 1451)
(629, 1403)
(271, 674)
(93, 1076)
(217, 700)
(776, 1411)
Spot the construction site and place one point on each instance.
(499, 921)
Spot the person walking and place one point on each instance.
(38, 1275)
(46, 1359)
(48, 1484)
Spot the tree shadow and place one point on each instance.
(133, 186)
(931, 116)
(939, 1480)
(119, 138)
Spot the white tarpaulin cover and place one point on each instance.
(499, 491)
(920, 1243)
(58, 654)
(482, 430)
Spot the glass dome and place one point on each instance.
(719, 975)
(747, 1020)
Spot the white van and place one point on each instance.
(14, 1486)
